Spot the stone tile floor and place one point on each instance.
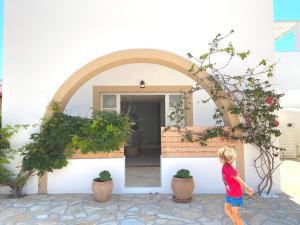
(148, 209)
(290, 182)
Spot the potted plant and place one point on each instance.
(102, 186)
(182, 186)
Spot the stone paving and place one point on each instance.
(139, 209)
(290, 182)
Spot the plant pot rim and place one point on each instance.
(190, 178)
(101, 182)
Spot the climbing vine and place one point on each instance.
(253, 100)
(6, 153)
(60, 135)
(8, 178)
(57, 139)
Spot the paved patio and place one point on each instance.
(290, 182)
(142, 209)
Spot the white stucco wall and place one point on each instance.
(78, 175)
(131, 75)
(250, 173)
(288, 82)
(288, 78)
(45, 41)
(291, 116)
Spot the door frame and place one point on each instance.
(149, 90)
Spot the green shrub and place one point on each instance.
(104, 176)
(15, 181)
(6, 153)
(61, 134)
(105, 132)
(183, 173)
(47, 149)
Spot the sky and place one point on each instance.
(287, 10)
(283, 10)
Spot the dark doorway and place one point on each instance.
(143, 148)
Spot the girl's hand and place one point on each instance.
(249, 191)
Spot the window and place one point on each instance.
(174, 100)
(176, 110)
(109, 102)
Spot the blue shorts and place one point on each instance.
(234, 202)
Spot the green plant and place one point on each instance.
(104, 176)
(46, 151)
(7, 178)
(105, 132)
(6, 153)
(253, 100)
(183, 173)
(177, 115)
(61, 134)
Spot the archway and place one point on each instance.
(167, 59)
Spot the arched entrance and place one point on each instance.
(167, 59)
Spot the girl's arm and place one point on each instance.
(248, 189)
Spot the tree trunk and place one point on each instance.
(19, 182)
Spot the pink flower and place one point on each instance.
(269, 100)
(276, 122)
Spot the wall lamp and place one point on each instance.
(142, 84)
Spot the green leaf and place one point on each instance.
(263, 62)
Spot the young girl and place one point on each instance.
(233, 183)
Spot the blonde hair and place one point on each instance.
(227, 154)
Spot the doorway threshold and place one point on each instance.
(138, 176)
(143, 190)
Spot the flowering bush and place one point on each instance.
(253, 100)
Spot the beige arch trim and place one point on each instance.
(163, 58)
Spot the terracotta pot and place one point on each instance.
(131, 151)
(102, 190)
(182, 189)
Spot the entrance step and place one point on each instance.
(145, 159)
(142, 190)
(142, 176)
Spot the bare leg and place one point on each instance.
(228, 211)
(236, 216)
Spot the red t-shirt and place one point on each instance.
(232, 186)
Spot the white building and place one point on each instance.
(288, 82)
(90, 53)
